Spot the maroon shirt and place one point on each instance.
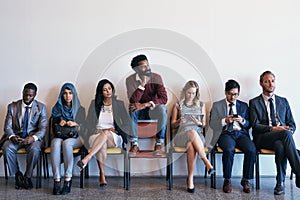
(154, 90)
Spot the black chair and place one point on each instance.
(22, 151)
(218, 150)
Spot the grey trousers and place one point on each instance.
(10, 152)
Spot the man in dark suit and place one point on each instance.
(25, 126)
(229, 121)
(273, 127)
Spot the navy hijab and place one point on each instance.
(61, 109)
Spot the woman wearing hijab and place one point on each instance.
(66, 112)
(109, 122)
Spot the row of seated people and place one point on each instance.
(108, 121)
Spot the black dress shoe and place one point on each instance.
(28, 183)
(67, 187)
(279, 189)
(19, 178)
(56, 188)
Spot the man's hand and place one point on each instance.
(15, 139)
(277, 128)
(138, 106)
(145, 80)
(28, 140)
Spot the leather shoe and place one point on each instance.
(246, 186)
(158, 150)
(67, 187)
(81, 165)
(19, 178)
(279, 189)
(227, 186)
(211, 171)
(133, 151)
(189, 190)
(298, 180)
(56, 188)
(28, 183)
(103, 185)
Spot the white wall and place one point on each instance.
(51, 42)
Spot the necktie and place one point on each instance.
(230, 125)
(272, 113)
(25, 122)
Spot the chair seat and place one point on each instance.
(48, 150)
(219, 150)
(183, 149)
(114, 150)
(266, 151)
(149, 154)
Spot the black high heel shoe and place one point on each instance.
(56, 188)
(81, 165)
(211, 171)
(189, 190)
(67, 187)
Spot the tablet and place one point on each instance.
(188, 115)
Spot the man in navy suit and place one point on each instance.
(20, 134)
(230, 124)
(273, 127)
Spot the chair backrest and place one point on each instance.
(49, 132)
(147, 128)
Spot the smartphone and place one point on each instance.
(235, 116)
(20, 139)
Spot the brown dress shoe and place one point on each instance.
(227, 186)
(246, 186)
(133, 150)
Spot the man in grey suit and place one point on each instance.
(25, 126)
(273, 127)
(230, 124)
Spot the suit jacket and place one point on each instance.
(259, 116)
(37, 121)
(219, 111)
(121, 117)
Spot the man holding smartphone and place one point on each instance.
(230, 124)
(25, 127)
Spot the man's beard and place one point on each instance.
(146, 73)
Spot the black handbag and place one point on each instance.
(65, 132)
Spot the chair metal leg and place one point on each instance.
(39, 172)
(213, 175)
(257, 178)
(82, 172)
(171, 174)
(45, 168)
(5, 168)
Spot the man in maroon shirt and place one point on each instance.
(147, 98)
